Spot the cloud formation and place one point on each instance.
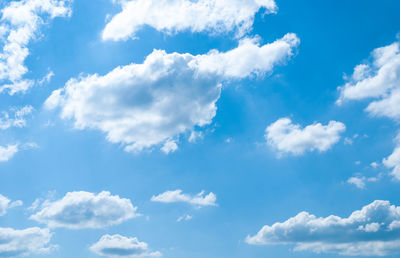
(18, 118)
(6, 153)
(171, 16)
(177, 196)
(115, 246)
(393, 161)
(17, 243)
(153, 103)
(19, 24)
(287, 137)
(373, 230)
(6, 204)
(78, 210)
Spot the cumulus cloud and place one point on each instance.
(393, 162)
(17, 243)
(77, 210)
(15, 120)
(171, 16)
(6, 204)
(177, 196)
(6, 153)
(373, 230)
(360, 181)
(115, 246)
(379, 81)
(287, 137)
(19, 24)
(153, 103)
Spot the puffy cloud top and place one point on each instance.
(77, 210)
(373, 230)
(177, 196)
(287, 137)
(115, 246)
(215, 16)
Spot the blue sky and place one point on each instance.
(199, 128)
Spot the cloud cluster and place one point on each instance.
(150, 104)
(287, 137)
(115, 246)
(19, 24)
(77, 210)
(17, 120)
(379, 81)
(17, 243)
(171, 16)
(6, 204)
(373, 230)
(177, 196)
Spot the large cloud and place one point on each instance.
(19, 24)
(373, 230)
(177, 196)
(143, 105)
(287, 137)
(214, 16)
(6, 204)
(379, 82)
(115, 246)
(77, 210)
(17, 243)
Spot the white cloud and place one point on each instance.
(359, 182)
(19, 24)
(177, 196)
(169, 146)
(287, 137)
(366, 232)
(6, 153)
(77, 210)
(6, 204)
(378, 80)
(393, 162)
(150, 104)
(184, 217)
(171, 16)
(17, 243)
(18, 118)
(115, 246)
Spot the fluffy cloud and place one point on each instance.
(373, 230)
(18, 119)
(379, 81)
(361, 181)
(170, 16)
(177, 196)
(19, 24)
(6, 153)
(150, 104)
(287, 137)
(393, 162)
(77, 210)
(17, 243)
(6, 204)
(119, 246)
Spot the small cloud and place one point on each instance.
(184, 217)
(169, 146)
(177, 196)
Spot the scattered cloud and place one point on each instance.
(169, 146)
(17, 119)
(78, 210)
(184, 217)
(115, 246)
(177, 196)
(19, 24)
(359, 182)
(374, 164)
(373, 230)
(287, 137)
(393, 162)
(6, 153)
(172, 16)
(151, 104)
(6, 204)
(17, 243)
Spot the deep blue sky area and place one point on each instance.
(255, 183)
